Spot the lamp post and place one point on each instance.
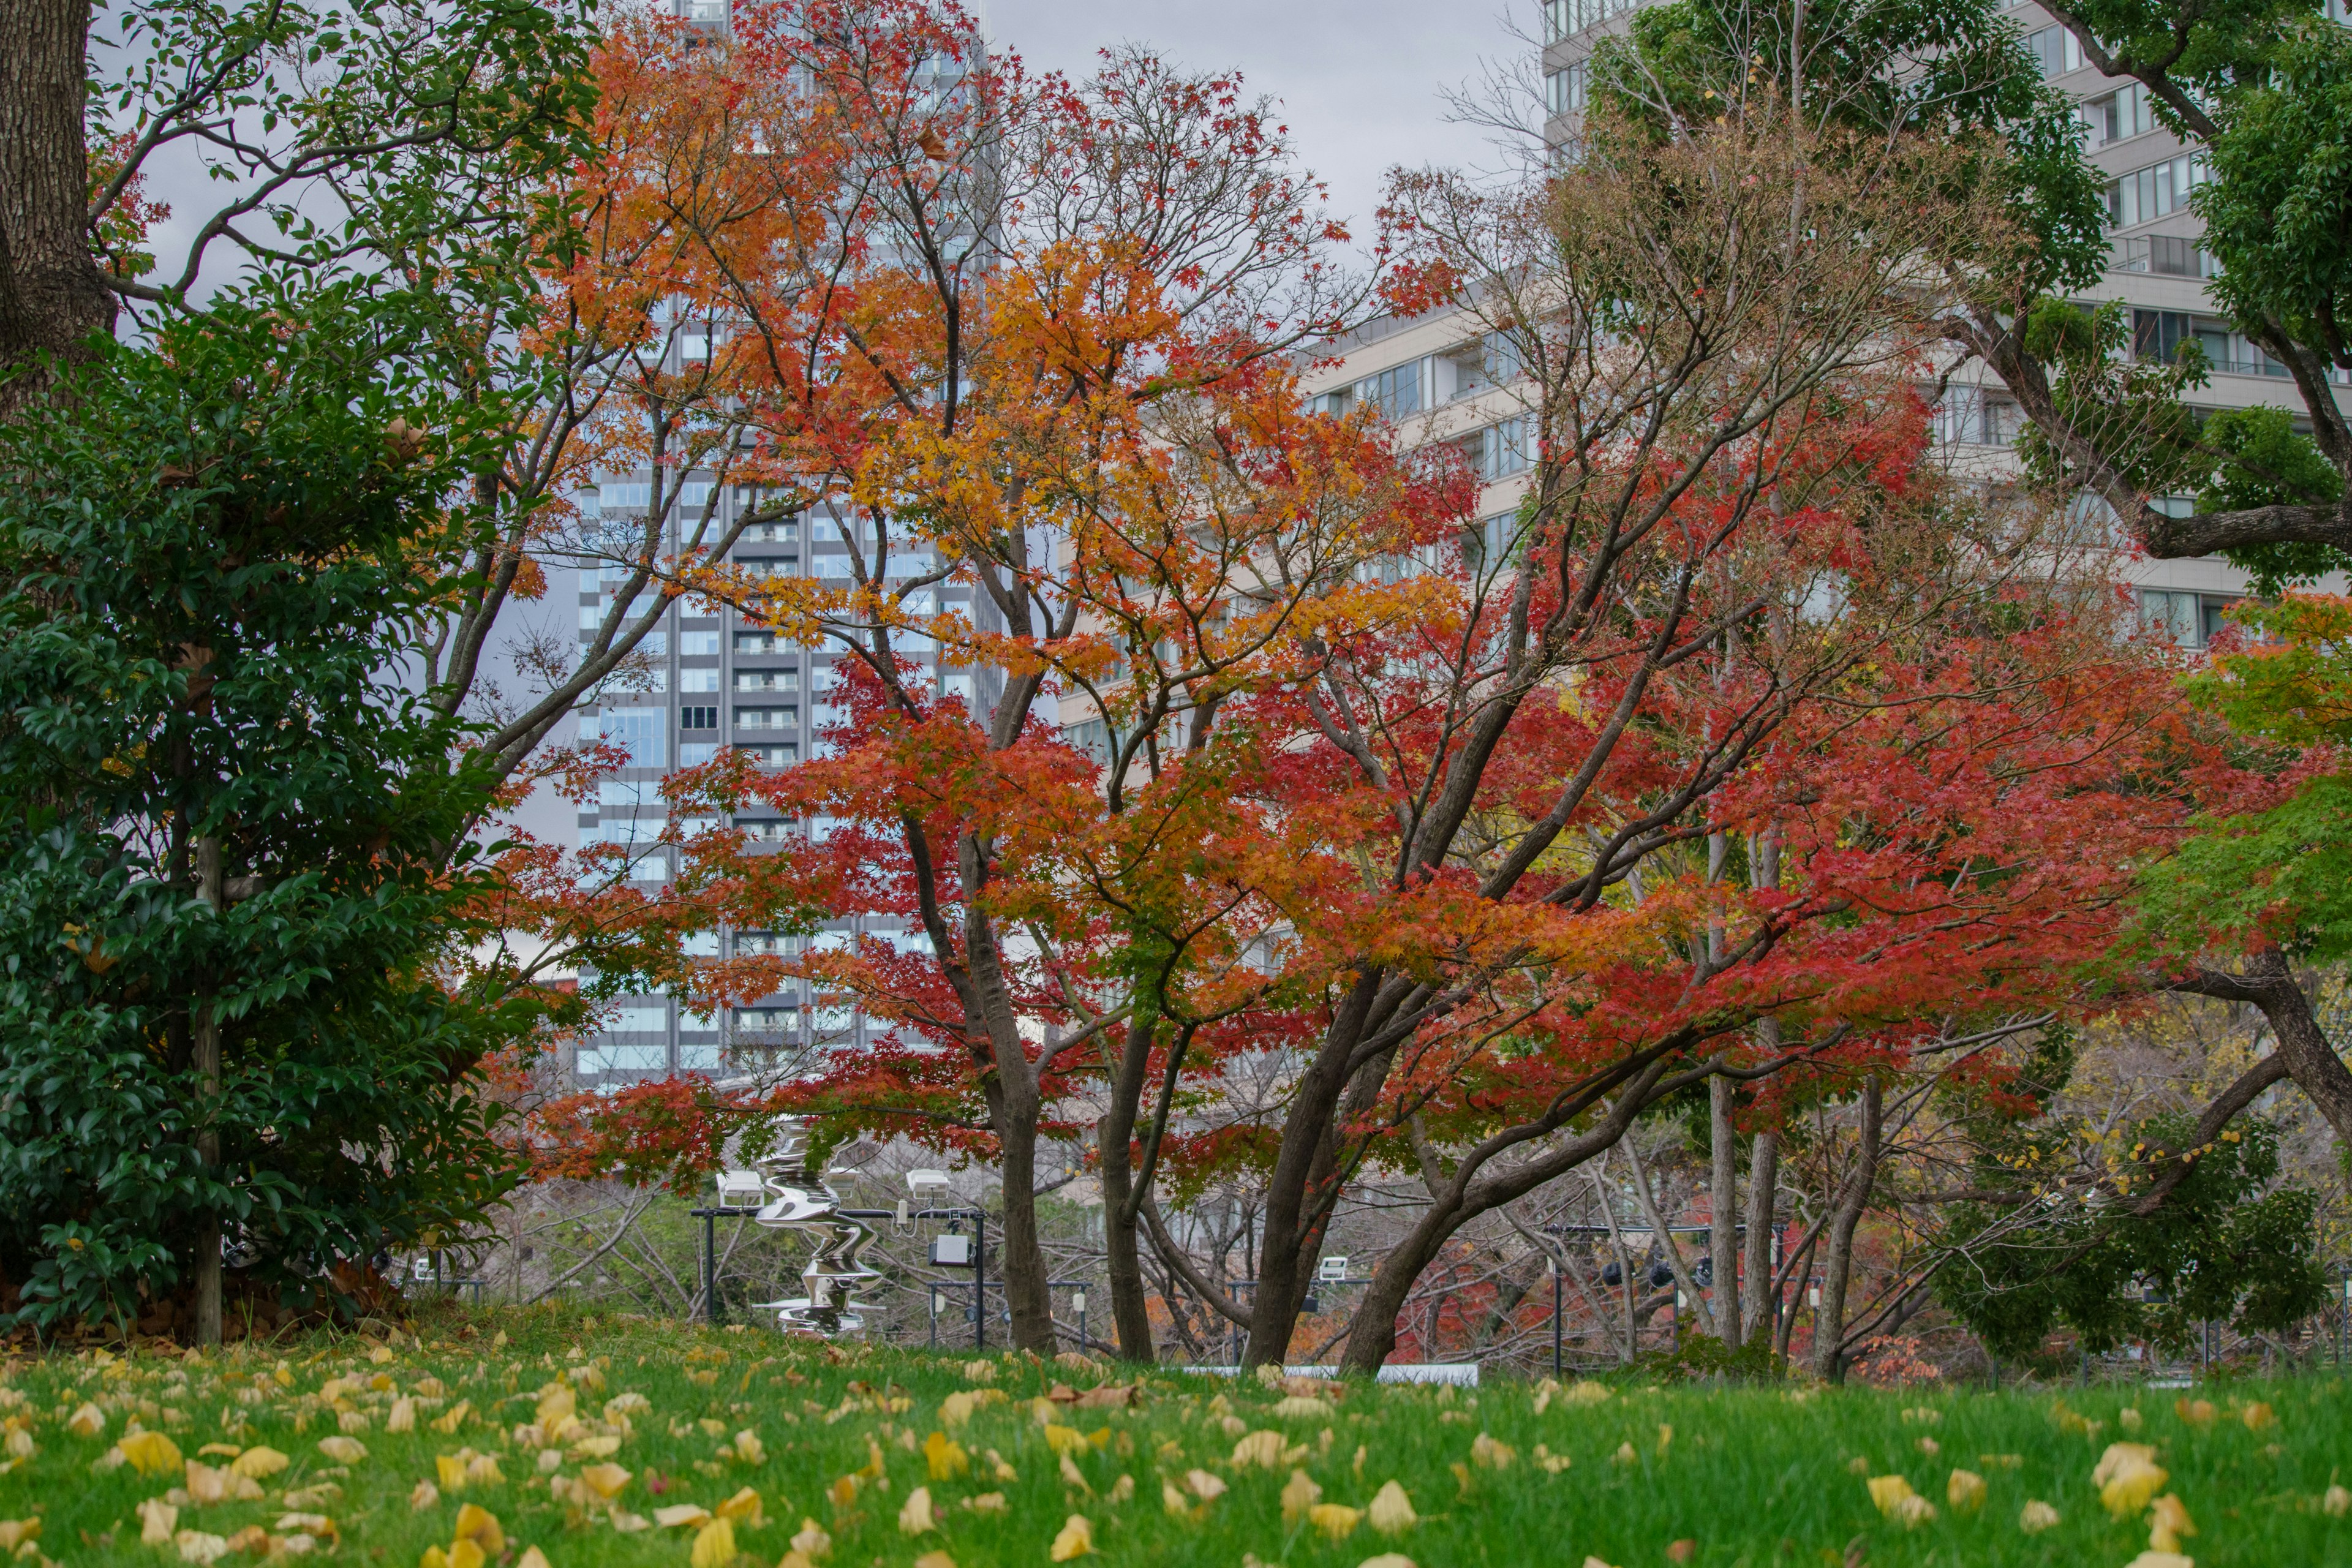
(1555, 1319)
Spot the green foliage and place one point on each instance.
(2226, 1245)
(1955, 72)
(2284, 873)
(2129, 408)
(213, 557)
(1701, 1358)
(2271, 463)
(2278, 211)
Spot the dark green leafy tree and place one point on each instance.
(2265, 86)
(2230, 1244)
(1861, 75)
(236, 853)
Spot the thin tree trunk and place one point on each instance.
(1801, 1270)
(2269, 983)
(1723, 1207)
(1466, 1196)
(1648, 1201)
(1114, 1141)
(1828, 1327)
(1757, 1292)
(50, 296)
(1015, 1104)
(1307, 1136)
(208, 1083)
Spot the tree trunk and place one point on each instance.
(2269, 983)
(1015, 1104)
(1723, 1208)
(1307, 1134)
(1757, 1293)
(208, 1081)
(1663, 1228)
(1829, 1326)
(50, 296)
(1114, 1141)
(1463, 1199)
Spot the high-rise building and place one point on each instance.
(2156, 268)
(708, 678)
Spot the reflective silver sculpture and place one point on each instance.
(802, 1200)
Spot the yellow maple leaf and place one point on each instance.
(1076, 1539)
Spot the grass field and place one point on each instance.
(536, 1437)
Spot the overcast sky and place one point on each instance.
(1360, 84)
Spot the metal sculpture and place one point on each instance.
(803, 1201)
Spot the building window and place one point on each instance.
(2184, 619)
(2126, 111)
(1565, 90)
(698, 718)
(2055, 51)
(1968, 416)
(767, 680)
(2146, 195)
(1566, 18)
(768, 718)
(638, 732)
(1395, 391)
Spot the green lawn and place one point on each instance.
(845, 1438)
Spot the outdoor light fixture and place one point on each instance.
(741, 1190)
(952, 1251)
(922, 1181)
(1078, 1301)
(1332, 1268)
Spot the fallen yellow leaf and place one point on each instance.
(157, 1520)
(343, 1450)
(681, 1513)
(1336, 1520)
(1299, 1494)
(812, 1541)
(86, 1422)
(945, 1456)
(2171, 1524)
(259, 1463)
(2036, 1517)
(988, 1503)
(481, 1526)
(151, 1453)
(935, 1560)
(1263, 1448)
(1075, 1540)
(198, 1546)
(1392, 1510)
(914, 1517)
(532, 1557)
(607, 1480)
(1965, 1491)
(1886, 1492)
(714, 1545)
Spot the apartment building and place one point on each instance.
(2156, 268)
(708, 678)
